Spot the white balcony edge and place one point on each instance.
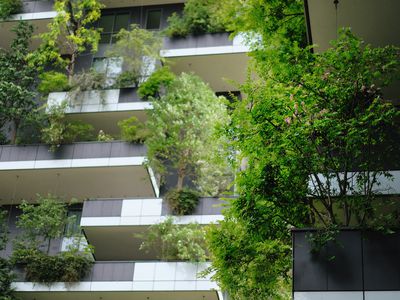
(32, 16)
(154, 183)
(353, 295)
(72, 163)
(234, 49)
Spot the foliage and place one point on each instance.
(61, 131)
(6, 279)
(248, 266)
(86, 81)
(16, 81)
(68, 266)
(175, 242)
(139, 50)
(126, 79)
(182, 202)
(183, 124)
(103, 137)
(198, 17)
(9, 7)
(74, 22)
(159, 80)
(53, 82)
(133, 131)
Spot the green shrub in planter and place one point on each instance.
(126, 79)
(182, 202)
(162, 77)
(9, 7)
(53, 82)
(132, 130)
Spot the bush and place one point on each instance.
(60, 131)
(103, 137)
(175, 242)
(9, 7)
(53, 82)
(198, 17)
(161, 78)
(132, 130)
(86, 81)
(126, 79)
(6, 279)
(182, 202)
(69, 266)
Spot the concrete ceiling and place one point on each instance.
(172, 295)
(217, 70)
(81, 183)
(376, 21)
(118, 243)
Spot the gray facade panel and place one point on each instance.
(128, 95)
(204, 40)
(37, 6)
(18, 153)
(102, 208)
(92, 150)
(112, 271)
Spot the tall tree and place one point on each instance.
(183, 125)
(17, 99)
(71, 32)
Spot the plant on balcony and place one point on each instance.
(61, 131)
(17, 99)
(53, 82)
(86, 81)
(103, 137)
(9, 7)
(157, 82)
(132, 130)
(316, 134)
(139, 50)
(71, 31)
(182, 202)
(175, 242)
(40, 224)
(6, 274)
(183, 126)
(198, 17)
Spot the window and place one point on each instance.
(111, 25)
(153, 20)
(111, 67)
(74, 228)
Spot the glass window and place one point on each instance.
(106, 23)
(111, 67)
(121, 21)
(153, 20)
(73, 228)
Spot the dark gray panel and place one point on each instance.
(92, 150)
(345, 262)
(64, 152)
(309, 269)
(112, 271)
(83, 62)
(37, 6)
(128, 95)
(204, 40)
(212, 206)
(122, 149)
(381, 261)
(102, 208)
(18, 153)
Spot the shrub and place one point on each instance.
(182, 202)
(198, 17)
(86, 81)
(161, 78)
(126, 79)
(6, 279)
(53, 82)
(9, 7)
(69, 266)
(60, 131)
(132, 130)
(175, 242)
(103, 137)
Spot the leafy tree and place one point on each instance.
(175, 242)
(157, 82)
(183, 125)
(139, 50)
(9, 7)
(6, 274)
(71, 31)
(17, 100)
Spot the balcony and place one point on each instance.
(129, 280)
(359, 265)
(111, 222)
(81, 170)
(103, 109)
(214, 57)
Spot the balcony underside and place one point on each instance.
(167, 295)
(81, 183)
(219, 70)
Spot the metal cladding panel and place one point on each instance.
(345, 262)
(20, 153)
(37, 6)
(381, 261)
(92, 150)
(128, 95)
(112, 271)
(310, 271)
(122, 149)
(102, 208)
(204, 40)
(64, 152)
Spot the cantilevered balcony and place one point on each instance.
(214, 57)
(129, 280)
(81, 170)
(110, 225)
(103, 109)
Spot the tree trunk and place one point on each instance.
(181, 177)
(14, 131)
(71, 68)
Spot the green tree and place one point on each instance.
(9, 7)
(139, 50)
(17, 99)
(6, 274)
(72, 31)
(183, 126)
